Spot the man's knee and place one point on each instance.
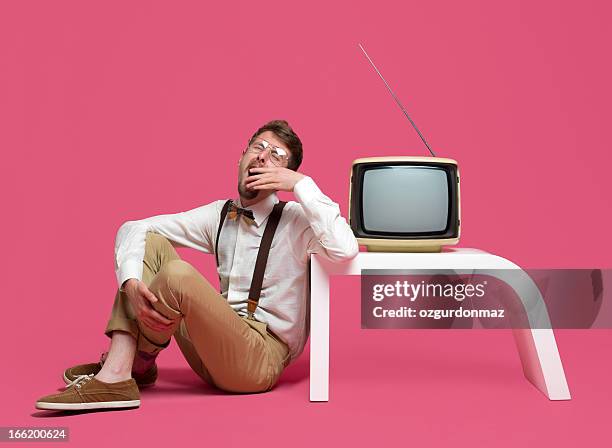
(170, 285)
(176, 273)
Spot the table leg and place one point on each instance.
(541, 362)
(319, 332)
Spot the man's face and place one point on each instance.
(251, 159)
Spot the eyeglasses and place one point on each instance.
(278, 155)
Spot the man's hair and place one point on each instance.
(283, 131)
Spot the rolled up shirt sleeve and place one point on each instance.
(331, 237)
(194, 228)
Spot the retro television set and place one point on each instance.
(404, 203)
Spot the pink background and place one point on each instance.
(117, 111)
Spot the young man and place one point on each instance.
(241, 339)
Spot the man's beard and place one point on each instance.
(244, 193)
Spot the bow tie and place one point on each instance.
(233, 211)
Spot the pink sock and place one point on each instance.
(143, 361)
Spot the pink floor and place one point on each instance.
(123, 111)
(420, 388)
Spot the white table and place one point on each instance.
(537, 347)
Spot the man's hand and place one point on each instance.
(275, 178)
(142, 301)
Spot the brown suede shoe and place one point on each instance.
(87, 392)
(145, 379)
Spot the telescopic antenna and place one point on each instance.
(397, 101)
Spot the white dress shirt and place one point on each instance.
(311, 225)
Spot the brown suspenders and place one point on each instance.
(221, 221)
(262, 254)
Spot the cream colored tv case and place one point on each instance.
(407, 243)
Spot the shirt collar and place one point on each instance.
(262, 209)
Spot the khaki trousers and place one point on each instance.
(227, 351)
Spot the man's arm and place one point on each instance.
(194, 228)
(325, 230)
(331, 235)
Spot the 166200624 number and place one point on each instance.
(16, 434)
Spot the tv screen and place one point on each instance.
(405, 199)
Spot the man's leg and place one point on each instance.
(118, 363)
(233, 354)
(219, 345)
(280, 354)
(129, 349)
(183, 340)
